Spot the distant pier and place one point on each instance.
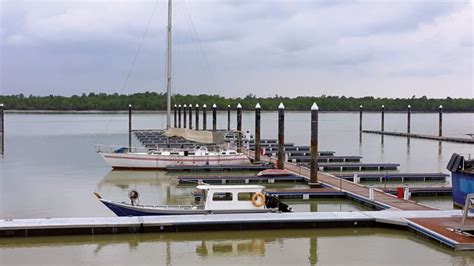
(421, 136)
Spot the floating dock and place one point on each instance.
(394, 176)
(214, 168)
(421, 136)
(240, 179)
(306, 157)
(420, 222)
(357, 166)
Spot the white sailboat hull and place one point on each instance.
(155, 161)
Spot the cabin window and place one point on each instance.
(245, 196)
(232, 152)
(222, 196)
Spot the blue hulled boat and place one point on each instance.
(462, 176)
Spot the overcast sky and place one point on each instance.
(236, 47)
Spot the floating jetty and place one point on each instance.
(394, 176)
(357, 166)
(425, 191)
(420, 222)
(240, 179)
(421, 136)
(213, 168)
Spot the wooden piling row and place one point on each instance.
(281, 137)
(257, 133)
(239, 128)
(204, 117)
(440, 125)
(190, 116)
(314, 146)
(184, 115)
(214, 117)
(409, 119)
(175, 114)
(197, 117)
(228, 117)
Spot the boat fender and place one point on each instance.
(256, 197)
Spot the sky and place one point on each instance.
(233, 48)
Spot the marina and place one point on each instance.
(181, 163)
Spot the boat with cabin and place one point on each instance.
(208, 199)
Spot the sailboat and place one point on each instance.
(128, 158)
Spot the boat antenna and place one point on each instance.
(168, 68)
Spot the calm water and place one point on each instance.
(50, 169)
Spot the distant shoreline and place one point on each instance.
(164, 112)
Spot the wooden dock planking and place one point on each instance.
(350, 187)
(443, 226)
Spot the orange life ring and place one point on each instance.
(255, 197)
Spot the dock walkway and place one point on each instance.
(420, 136)
(356, 190)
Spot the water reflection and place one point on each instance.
(309, 246)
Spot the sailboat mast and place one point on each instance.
(168, 67)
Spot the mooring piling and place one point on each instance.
(440, 124)
(214, 117)
(197, 117)
(239, 128)
(281, 136)
(2, 126)
(179, 116)
(129, 127)
(314, 146)
(257, 133)
(228, 117)
(383, 118)
(409, 120)
(175, 122)
(360, 118)
(185, 107)
(204, 117)
(190, 116)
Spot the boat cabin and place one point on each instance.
(230, 197)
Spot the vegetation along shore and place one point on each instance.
(157, 101)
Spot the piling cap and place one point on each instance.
(190, 105)
(239, 106)
(440, 107)
(361, 106)
(197, 105)
(409, 106)
(175, 105)
(257, 106)
(185, 106)
(179, 106)
(228, 106)
(129, 105)
(383, 106)
(204, 106)
(281, 106)
(314, 107)
(214, 106)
